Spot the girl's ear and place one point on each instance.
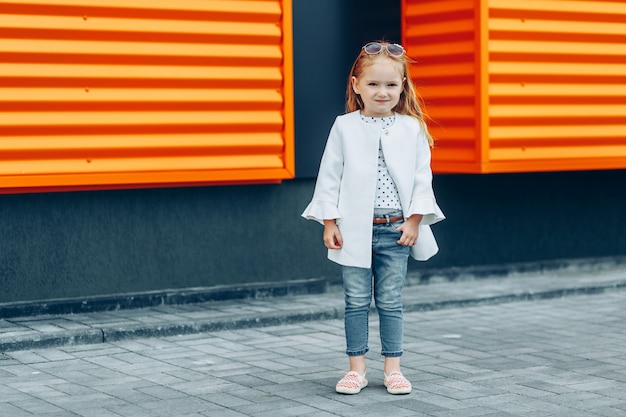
(355, 85)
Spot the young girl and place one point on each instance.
(375, 199)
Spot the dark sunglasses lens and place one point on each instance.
(395, 50)
(373, 48)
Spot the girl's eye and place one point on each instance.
(372, 84)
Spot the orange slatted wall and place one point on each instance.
(143, 93)
(521, 85)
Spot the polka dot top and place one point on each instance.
(386, 191)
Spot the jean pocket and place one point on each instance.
(397, 224)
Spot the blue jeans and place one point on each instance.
(388, 270)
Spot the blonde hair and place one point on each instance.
(410, 102)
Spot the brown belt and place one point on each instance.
(383, 220)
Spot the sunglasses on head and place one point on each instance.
(393, 49)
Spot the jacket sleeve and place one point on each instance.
(423, 197)
(324, 204)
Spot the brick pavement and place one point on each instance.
(560, 355)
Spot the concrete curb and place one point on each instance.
(244, 319)
(66, 338)
(513, 297)
(148, 299)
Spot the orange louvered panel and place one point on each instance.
(521, 85)
(108, 93)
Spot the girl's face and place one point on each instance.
(379, 85)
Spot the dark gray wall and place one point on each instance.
(106, 242)
(81, 244)
(509, 218)
(328, 35)
(88, 243)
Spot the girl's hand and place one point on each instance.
(410, 230)
(332, 235)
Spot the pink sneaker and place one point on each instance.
(352, 383)
(396, 383)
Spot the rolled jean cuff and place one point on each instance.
(391, 354)
(357, 352)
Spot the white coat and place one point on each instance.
(346, 184)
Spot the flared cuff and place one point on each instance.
(320, 211)
(428, 208)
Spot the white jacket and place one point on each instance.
(346, 184)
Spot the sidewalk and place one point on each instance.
(532, 344)
(461, 288)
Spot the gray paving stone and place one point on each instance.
(80, 403)
(9, 409)
(223, 412)
(554, 357)
(378, 410)
(127, 410)
(297, 410)
(38, 407)
(467, 412)
(228, 400)
(608, 412)
(179, 406)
